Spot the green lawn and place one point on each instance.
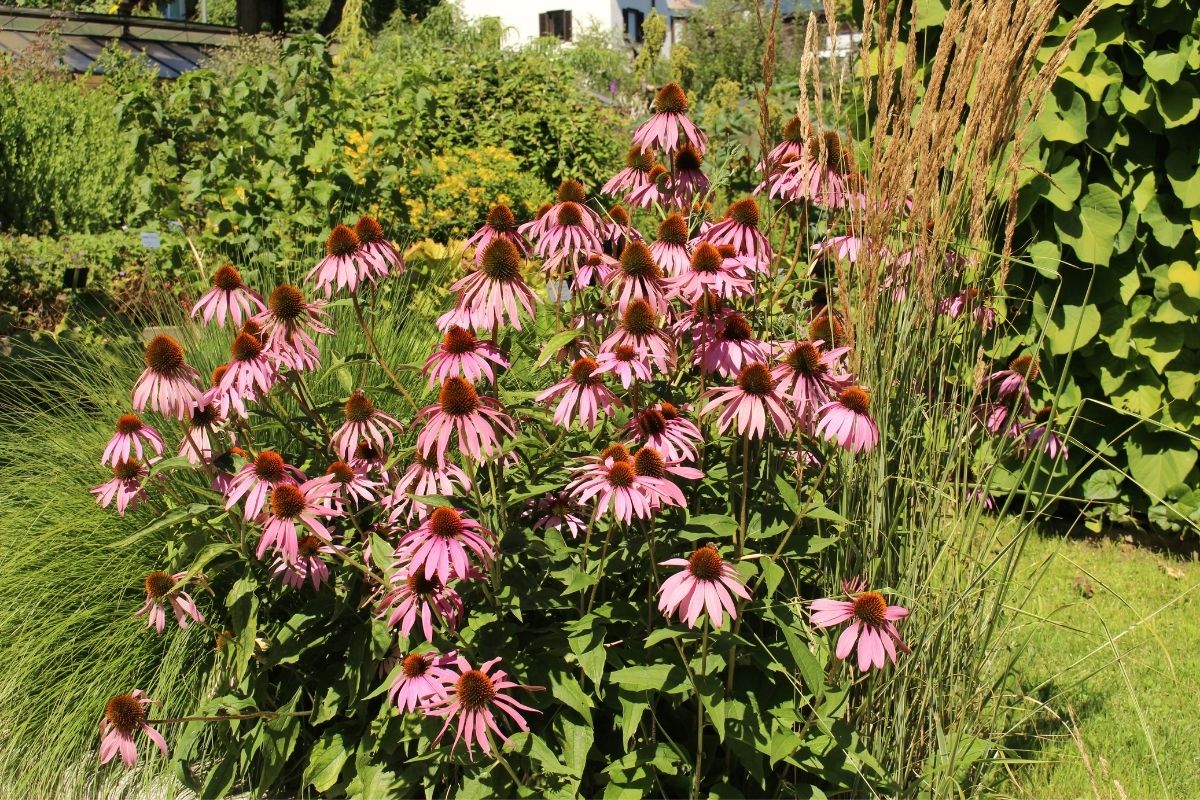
(1125, 661)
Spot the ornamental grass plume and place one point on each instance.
(472, 696)
(706, 584)
(124, 715)
(229, 298)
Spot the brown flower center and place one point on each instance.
(125, 713)
(708, 305)
(581, 372)
(649, 463)
(287, 501)
(793, 131)
(309, 546)
(705, 564)
(286, 302)
(736, 329)
(651, 423)
(342, 241)
(571, 191)
(856, 399)
(369, 231)
(671, 99)
(870, 608)
(827, 328)
(621, 474)
(501, 260)
(414, 665)
(744, 212)
(158, 584)
(245, 347)
(805, 358)
(268, 466)
(129, 423)
(164, 356)
(673, 230)
(625, 352)
(474, 690)
(1025, 366)
(365, 451)
(637, 262)
(227, 278)
(617, 452)
(570, 214)
(756, 380)
(445, 523)
(639, 319)
(835, 153)
(501, 219)
(637, 158)
(458, 341)
(658, 172)
(706, 259)
(542, 210)
(687, 158)
(218, 373)
(458, 397)
(417, 583)
(669, 411)
(341, 471)
(619, 215)
(128, 469)
(358, 408)
(204, 416)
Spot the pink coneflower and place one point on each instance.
(657, 192)
(873, 626)
(847, 421)
(638, 277)
(288, 325)
(583, 390)
(249, 374)
(499, 224)
(822, 174)
(256, 478)
(626, 363)
(228, 297)
(368, 456)
(688, 182)
(1014, 381)
(125, 486)
(1038, 431)
(415, 685)
(558, 510)
(619, 229)
(707, 583)
(703, 319)
(739, 228)
(412, 595)
(570, 227)
(350, 483)
(593, 270)
(733, 348)
(997, 418)
(789, 149)
(125, 715)
(375, 249)
(637, 164)
(462, 412)
(200, 428)
(653, 472)
(127, 440)
(424, 478)
(849, 247)
(972, 300)
(495, 291)
(168, 385)
(473, 696)
(615, 485)
(462, 355)
(639, 329)
(663, 428)
(670, 249)
(291, 503)
(459, 316)
(159, 591)
(537, 226)
(343, 266)
(443, 544)
(308, 564)
(749, 402)
(363, 422)
(809, 377)
(662, 130)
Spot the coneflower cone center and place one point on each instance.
(501, 219)
(639, 319)
(673, 230)
(708, 304)
(269, 466)
(286, 302)
(205, 416)
(158, 584)
(668, 410)
(342, 241)
(651, 423)
(365, 451)
(368, 230)
(625, 353)
(793, 131)
(687, 159)
(227, 278)
(287, 501)
(358, 408)
(445, 523)
(128, 469)
(671, 99)
(474, 690)
(619, 215)
(649, 463)
(501, 260)
(164, 355)
(835, 154)
(736, 329)
(341, 471)
(1025, 366)
(827, 328)
(616, 452)
(855, 399)
(542, 210)
(637, 262)
(125, 713)
(252, 328)
(870, 608)
(581, 371)
(218, 373)
(805, 358)
(245, 347)
(414, 665)
(309, 546)
(417, 583)
(637, 158)
(621, 474)
(129, 423)
(705, 563)
(706, 259)
(458, 398)
(745, 212)
(571, 191)
(458, 341)
(570, 214)
(756, 380)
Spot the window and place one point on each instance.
(555, 23)
(633, 24)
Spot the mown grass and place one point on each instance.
(1120, 669)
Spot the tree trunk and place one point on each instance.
(333, 17)
(253, 16)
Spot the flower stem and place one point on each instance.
(370, 337)
(600, 571)
(224, 717)
(700, 710)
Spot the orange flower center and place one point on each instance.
(458, 397)
(571, 191)
(341, 471)
(227, 278)
(805, 358)
(617, 452)
(368, 230)
(1025, 366)
(856, 399)
(474, 690)
(417, 583)
(358, 408)
(269, 466)
(744, 212)
(125, 713)
(458, 341)
(708, 304)
(129, 423)
(128, 469)
(501, 219)
(687, 158)
(204, 416)
(705, 563)
(245, 347)
(706, 259)
(793, 131)
(619, 215)
(570, 214)
(651, 423)
(365, 451)
(637, 262)
(669, 411)
(639, 319)
(637, 158)
(671, 99)
(581, 372)
(673, 230)
(649, 463)
(756, 380)
(414, 665)
(309, 546)
(342, 241)
(621, 474)
(164, 356)
(625, 352)
(870, 608)
(287, 501)
(827, 328)
(286, 302)
(158, 585)
(736, 329)
(445, 523)
(501, 260)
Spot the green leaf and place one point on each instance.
(325, 761)
(1071, 327)
(555, 343)
(1166, 66)
(593, 662)
(1064, 116)
(220, 778)
(1159, 461)
(1045, 257)
(567, 690)
(656, 677)
(1091, 231)
(1178, 103)
(173, 517)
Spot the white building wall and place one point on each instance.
(520, 17)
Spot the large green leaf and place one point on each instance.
(1071, 327)
(1159, 460)
(1091, 230)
